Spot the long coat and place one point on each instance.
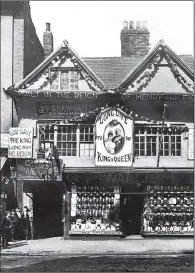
(26, 223)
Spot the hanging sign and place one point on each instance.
(191, 144)
(20, 142)
(114, 138)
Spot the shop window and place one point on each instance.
(147, 142)
(64, 80)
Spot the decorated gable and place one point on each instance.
(161, 71)
(63, 70)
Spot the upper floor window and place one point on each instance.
(64, 80)
(147, 142)
(72, 140)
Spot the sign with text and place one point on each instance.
(29, 169)
(20, 143)
(191, 144)
(114, 138)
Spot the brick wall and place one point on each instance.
(134, 42)
(21, 52)
(33, 50)
(6, 70)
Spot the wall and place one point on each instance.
(134, 42)
(33, 50)
(29, 118)
(21, 52)
(6, 70)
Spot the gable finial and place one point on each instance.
(162, 42)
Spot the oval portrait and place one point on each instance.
(114, 137)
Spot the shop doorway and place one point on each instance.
(47, 210)
(131, 207)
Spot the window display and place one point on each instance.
(95, 210)
(168, 210)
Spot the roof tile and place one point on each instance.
(112, 70)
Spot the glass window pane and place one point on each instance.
(172, 138)
(166, 146)
(172, 152)
(142, 153)
(178, 145)
(142, 138)
(142, 145)
(91, 153)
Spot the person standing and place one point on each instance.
(2, 230)
(19, 229)
(26, 222)
(118, 139)
(7, 229)
(14, 224)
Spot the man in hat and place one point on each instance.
(26, 222)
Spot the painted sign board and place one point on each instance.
(20, 143)
(31, 169)
(114, 138)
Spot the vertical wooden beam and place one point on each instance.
(66, 214)
(20, 193)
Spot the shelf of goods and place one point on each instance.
(168, 211)
(93, 211)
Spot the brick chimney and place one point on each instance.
(134, 40)
(47, 41)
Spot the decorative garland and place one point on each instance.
(180, 79)
(148, 75)
(84, 116)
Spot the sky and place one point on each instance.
(93, 28)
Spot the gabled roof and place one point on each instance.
(146, 60)
(109, 72)
(113, 70)
(48, 61)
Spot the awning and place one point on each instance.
(3, 160)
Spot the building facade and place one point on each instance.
(112, 143)
(21, 52)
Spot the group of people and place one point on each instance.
(15, 226)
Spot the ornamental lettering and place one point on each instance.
(114, 138)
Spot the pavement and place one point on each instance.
(132, 245)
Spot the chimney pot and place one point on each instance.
(144, 25)
(137, 24)
(48, 26)
(47, 41)
(131, 25)
(125, 25)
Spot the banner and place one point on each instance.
(20, 143)
(114, 138)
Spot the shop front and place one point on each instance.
(122, 204)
